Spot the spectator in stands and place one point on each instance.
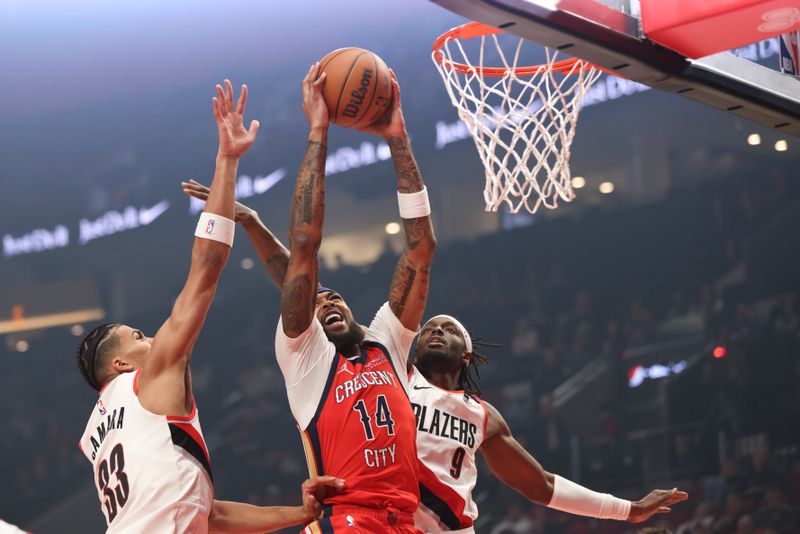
(775, 513)
(552, 437)
(727, 520)
(526, 338)
(702, 516)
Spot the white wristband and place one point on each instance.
(575, 499)
(414, 205)
(215, 227)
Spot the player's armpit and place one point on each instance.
(511, 463)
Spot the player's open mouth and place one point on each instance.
(436, 342)
(333, 319)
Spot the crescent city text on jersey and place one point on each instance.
(362, 380)
(113, 421)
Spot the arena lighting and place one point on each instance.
(22, 346)
(781, 145)
(392, 228)
(639, 373)
(247, 264)
(607, 188)
(753, 139)
(39, 322)
(76, 330)
(719, 352)
(578, 182)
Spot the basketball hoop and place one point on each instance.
(522, 118)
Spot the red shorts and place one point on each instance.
(357, 520)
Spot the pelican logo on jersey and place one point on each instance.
(363, 380)
(112, 422)
(357, 96)
(445, 425)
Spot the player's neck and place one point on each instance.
(444, 380)
(350, 350)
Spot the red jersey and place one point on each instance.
(354, 414)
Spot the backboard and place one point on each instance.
(608, 33)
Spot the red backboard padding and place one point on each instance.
(697, 28)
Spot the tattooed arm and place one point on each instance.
(307, 213)
(274, 256)
(271, 252)
(409, 291)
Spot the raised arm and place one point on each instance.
(299, 290)
(274, 256)
(409, 291)
(235, 517)
(164, 385)
(514, 466)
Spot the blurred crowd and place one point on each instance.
(560, 295)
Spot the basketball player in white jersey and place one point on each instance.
(453, 424)
(149, 459)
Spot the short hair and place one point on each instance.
(94, 352)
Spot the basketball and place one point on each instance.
(358, 89)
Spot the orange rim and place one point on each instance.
(470, 30)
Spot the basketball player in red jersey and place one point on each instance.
(453, 423)
(346, 384)
(144, 440)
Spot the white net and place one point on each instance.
(522, 120)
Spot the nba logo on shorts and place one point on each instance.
(210, 226)
(101, 407)
(790, 53)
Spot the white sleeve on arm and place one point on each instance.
(305, 362)
(387, 330)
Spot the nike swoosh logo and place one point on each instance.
(423, 387)
(262, 184)
(148, 215)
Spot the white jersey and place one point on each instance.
(8, 528)
(451, 426)
(152, 472)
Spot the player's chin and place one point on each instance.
(337, 329)
(434, 353)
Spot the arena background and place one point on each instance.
(651, 334)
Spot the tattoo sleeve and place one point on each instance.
(409, 179)
(409, 292)
(305, 236)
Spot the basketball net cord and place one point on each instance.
(522, 126)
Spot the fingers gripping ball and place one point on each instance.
(358, 88)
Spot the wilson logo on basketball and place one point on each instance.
(357, 97)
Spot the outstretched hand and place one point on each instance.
(234, 139)
(314, 105)
(392, 123)
(316, 490)
(199, 191)
(656, 502)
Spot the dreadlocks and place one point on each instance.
(468, 379)
(94, 352)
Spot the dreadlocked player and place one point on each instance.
(453, 423)
(149, 459)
